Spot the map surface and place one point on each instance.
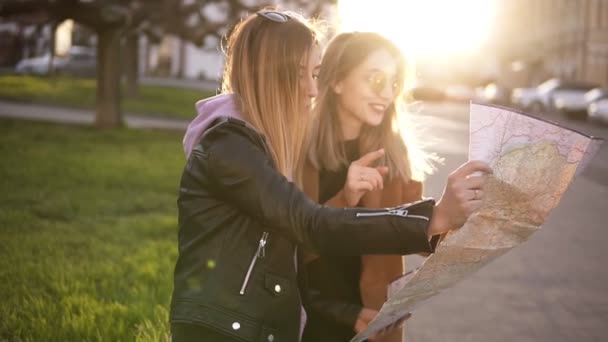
(534, 162)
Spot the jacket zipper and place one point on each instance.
(392, 212)
(259, 253)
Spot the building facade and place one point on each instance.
(539, 39)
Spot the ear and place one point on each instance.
(337, 87)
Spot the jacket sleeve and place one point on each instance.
(338, 201)
(241, 174)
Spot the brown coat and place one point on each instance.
(377, 271)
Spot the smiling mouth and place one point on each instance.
(378, 107)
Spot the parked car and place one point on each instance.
(78, 61)
(460, 93)
(523, 97)
(427, 93)
(598, 111)
(38, 65)
(574, 102)
(540, 99)
(494, 94)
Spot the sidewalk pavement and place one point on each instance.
(50, 113)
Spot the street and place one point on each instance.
(554, 287)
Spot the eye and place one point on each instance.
(396, 87)
(315, 77)
(377, 82)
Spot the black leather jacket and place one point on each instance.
(239, 224)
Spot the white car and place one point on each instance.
(598, 111)
(535, 99)
(38, 65)
(494, 94)
(573, 102)
(540, 99)
(460, 93)
(78, 61)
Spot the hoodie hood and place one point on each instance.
(223, 105)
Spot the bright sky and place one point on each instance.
(423, 28)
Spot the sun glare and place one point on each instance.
(423, 28)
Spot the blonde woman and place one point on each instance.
(241, 214)
(358, 158)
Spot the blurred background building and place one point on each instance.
(536, 40)
(525, 42)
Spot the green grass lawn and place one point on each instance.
(87, 232)
(80, 93)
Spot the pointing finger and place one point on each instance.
(369, 158)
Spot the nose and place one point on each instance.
(387, 92)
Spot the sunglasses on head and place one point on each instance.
(276, 16)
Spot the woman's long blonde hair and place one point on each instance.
(403, 154)
(263, 60)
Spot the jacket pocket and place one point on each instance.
(259, 253)
(276, 285)
(235, 324)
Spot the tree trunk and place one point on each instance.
(132, 65)
(146, 55)
(108, 113)
(182, 58)
(52, 43)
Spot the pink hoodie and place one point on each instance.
(208, 110)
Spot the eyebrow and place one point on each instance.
(380, 70)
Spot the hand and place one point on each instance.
(461, 197)
(362, 178)
(367, 315)
(397, 325)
